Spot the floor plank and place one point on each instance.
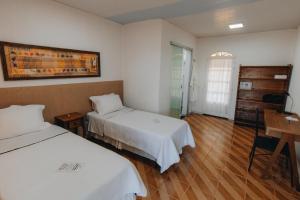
(216, 168)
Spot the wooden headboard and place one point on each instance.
(59, 99)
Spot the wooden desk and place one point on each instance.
(277, 123)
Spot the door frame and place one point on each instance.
(172, 43)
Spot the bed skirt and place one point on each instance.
(121, 146)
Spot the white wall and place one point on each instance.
(177, 35)
(146, 60)
(146, 52)
(49, 23)
(295, 83)
(265, 48)
(295, 89)
(141, 54)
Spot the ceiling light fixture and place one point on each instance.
(236, 26)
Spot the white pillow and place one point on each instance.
(106, 103)
(19, 120)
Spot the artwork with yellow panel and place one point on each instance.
(21, 62)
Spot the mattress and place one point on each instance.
(31, 169)
(159, 136)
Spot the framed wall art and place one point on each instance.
(26, 62)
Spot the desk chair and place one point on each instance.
(264, 142)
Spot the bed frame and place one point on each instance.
(59, 99)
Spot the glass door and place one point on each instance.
(186, 77)
(176, 82)
(180, 81)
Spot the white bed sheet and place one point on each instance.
(31, 172)
(159, 136)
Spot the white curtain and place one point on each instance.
(219, 82)
(194, 85)
(186, 72)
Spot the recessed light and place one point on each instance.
(235, 26)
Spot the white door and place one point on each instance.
(219, 85)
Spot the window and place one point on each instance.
(221, 54)
(219, 78)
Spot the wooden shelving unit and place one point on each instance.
(263, 82)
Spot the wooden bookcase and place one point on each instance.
(263, 82)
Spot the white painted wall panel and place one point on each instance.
(141, 55)
(48, 23)
(265, 48)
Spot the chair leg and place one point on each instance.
(291, 171)
(251, 156)
(287, 160)
(252, 151)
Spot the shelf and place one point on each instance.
(263, 83)
(245, 110)
(256, 101)
(265, 89)
(252, 111)
(250, 100)
(259, 101)
(248, 123)
(263, 79)
(265, 67)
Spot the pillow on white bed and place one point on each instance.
(106, 103)
(18, 120)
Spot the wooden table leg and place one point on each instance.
(295, 178)
(83, 128)
(283, 140)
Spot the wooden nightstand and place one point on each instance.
(71, 122)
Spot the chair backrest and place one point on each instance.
(256, 121)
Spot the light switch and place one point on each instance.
(245, 85)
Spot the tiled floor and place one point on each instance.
(216, 168)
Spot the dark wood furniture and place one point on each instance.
(276, 123)
(261, 142)
(71, 122)
(263, 83)
(265, 142)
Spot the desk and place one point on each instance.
(290, 131)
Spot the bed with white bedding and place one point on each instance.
(31, 169)
(160, 137)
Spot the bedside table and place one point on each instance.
(71, 122)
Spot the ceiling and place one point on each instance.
(264, 15)
(200, 17)
(109, 8)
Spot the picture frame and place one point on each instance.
(29, 62)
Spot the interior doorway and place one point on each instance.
(180, 80)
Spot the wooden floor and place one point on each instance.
(216, 168)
